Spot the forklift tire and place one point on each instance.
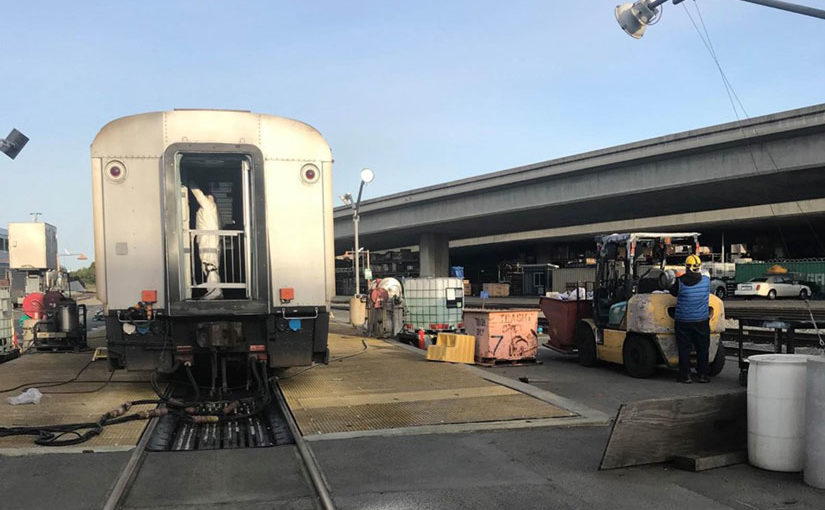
(718, 362)
(639, 356)
(586, 345)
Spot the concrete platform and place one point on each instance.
(388, 389)
(70, 403)
(541, 467)
(249, 478)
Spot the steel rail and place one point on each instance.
(127, 475)
(308, 458)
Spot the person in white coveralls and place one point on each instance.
(208, 244)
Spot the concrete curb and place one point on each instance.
(458, 428)
(25, 451)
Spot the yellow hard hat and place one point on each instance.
(693, 263)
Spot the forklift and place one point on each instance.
(633, 310)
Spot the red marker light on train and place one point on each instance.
(310, 173)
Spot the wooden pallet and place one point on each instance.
(497, 363)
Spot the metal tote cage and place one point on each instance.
(432, 304)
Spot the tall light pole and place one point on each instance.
(635, 17)
(367, 177)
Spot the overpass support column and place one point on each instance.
(434, 253)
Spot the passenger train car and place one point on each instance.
(213, 239)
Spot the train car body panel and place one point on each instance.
(268, 256)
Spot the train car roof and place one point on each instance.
(149, 134)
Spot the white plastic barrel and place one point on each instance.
(815, 423)
(357, 310)
(776, 411)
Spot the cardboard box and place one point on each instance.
(497, 289)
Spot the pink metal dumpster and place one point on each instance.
(503, 335)
(562, 317)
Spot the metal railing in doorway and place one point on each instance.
(222, 251)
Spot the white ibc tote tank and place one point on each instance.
(776, 411)
(815, 424)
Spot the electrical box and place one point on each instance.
(32, 246)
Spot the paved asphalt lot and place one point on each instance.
(524, 468)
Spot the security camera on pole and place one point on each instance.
(357, 308)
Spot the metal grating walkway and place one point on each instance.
(389, 387)
(57, 407)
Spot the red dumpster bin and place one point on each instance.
(562, 317)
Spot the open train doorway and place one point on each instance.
(215, 225)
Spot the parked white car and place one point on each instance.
(773, 287)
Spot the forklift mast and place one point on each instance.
(632, 263)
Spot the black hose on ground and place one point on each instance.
(193, 382)
(52, 435)
(49, 384)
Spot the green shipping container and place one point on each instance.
(807, 270)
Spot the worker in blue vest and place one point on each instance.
(692, 290)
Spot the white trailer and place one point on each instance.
(257, 282)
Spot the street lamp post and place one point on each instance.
(635, 17)
(367, 177)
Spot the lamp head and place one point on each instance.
(635, 17)
(13, 143)
(367, 175)
(346, 198)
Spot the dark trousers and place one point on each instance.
(696, 335)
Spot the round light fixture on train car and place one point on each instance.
(310, 173)
(115, 171)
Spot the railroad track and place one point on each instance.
(758, 336)
(732, 350)
(206, 435)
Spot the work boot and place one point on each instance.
(684, 380)
(703, 379)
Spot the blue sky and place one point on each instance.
(421, 91)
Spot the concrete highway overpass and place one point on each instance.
(730, 176)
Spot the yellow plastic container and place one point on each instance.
(453, 348)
